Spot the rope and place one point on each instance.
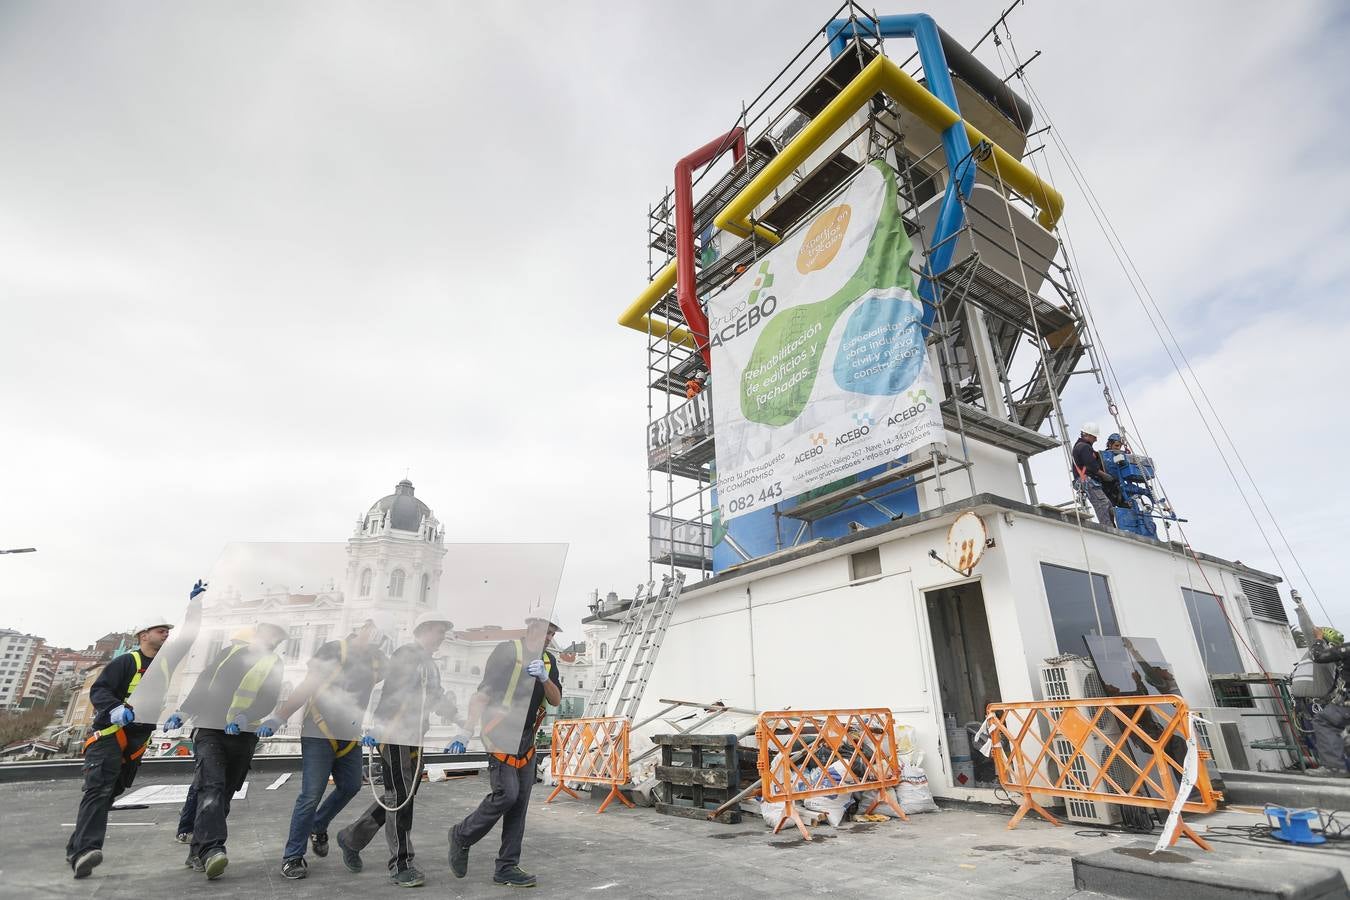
(421, 759)
(1146, 300)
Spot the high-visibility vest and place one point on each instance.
(141, 666)
(518, 762)
(250, 685)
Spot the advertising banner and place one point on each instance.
(818, 355)
(680, 431)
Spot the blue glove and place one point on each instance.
(197, 588)
(536, 670)
(455, 747)
(369, 741)
(269, 727)
(173, 722)
(236, 723)
(121, 715)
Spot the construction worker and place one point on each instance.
(1332, 715)
(1111, 486)
(1089, 474)
(335, 694)
(520, 677)
(237, 688)
(113, 751)
(188, 814)
(411, 692)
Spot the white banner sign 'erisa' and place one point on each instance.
(819, 369)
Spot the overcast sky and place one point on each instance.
(258, 260)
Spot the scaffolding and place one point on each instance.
(1006, 289)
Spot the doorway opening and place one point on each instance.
(963, 654)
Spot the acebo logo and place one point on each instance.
(818, 442)
(863, 419)
(819, 439)
(762, 282)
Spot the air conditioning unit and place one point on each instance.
(1073, 677)
(1224, 737)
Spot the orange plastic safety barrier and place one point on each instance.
(1124, 750)
(593, 751)
(820, 752)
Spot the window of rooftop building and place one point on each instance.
(1077, 606)
(365, 583)
(396, 583)
(425, 594)
(295, 634)
(1213, 634)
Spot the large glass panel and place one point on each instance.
(1212, 633)
(362, 654)
(1077, 607)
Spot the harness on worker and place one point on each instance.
(141, 666)
(504, 709)
(340, 748)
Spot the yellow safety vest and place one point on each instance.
(508, 696)
(141, 666)
(250, 685)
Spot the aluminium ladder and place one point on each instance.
(644, 628)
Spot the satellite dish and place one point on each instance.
(966, 540)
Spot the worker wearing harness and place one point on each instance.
(112, 752)
(236, 689)
(1089, 474)
(337, 689)
(1332, 713)
(411, 692)
(519, 679)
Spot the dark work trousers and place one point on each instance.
(223, 761)
(107, 773)
(1328, 727)
(509, 801)
(187, 817)
(399, 766)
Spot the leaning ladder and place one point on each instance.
(636, 649)
(600, 694)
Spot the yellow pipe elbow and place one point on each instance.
(637, 317)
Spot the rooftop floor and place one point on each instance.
(622, 853)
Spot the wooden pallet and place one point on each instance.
(700, 772)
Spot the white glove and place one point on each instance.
(536, 669)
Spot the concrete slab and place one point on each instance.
(1135, 874)
(576, 853)
(1290, 789)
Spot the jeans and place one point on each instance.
(107, 773)
(223, 762)
(318, 761)
(509, 801)
(1106, 511)
(400, 766)
(1328, 725)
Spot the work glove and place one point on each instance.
(174, 721)
(198, 588)
(459, 744)
(121, 715)
(236, 723)
(536, 669)
(368, 740)
(269, 727)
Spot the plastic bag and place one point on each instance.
(914, 794)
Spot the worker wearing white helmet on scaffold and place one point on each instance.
(1089, 474)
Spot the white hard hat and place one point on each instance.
(159, 623)
(1091, 428)
(432, 616)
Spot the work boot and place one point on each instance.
(85, 862)
(319, 841)
(350, 858)
(194, 862)
(512, 876)
(294, 868)
(184, 837)
(409, 877)
(459, 856)
(214, 864)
